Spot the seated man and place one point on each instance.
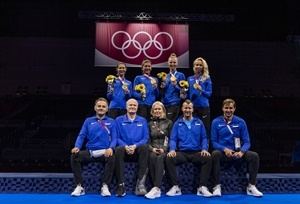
(133, 136)
(189, 139)
(101, 135)
(230, 140)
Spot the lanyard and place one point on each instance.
(229, 128)
(159, 130)
(103, 125)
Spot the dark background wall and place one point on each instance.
(46, 43)
(235, 67)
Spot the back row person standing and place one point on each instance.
(150, 92)
(170, 90)
(200, 90)
(119, 92)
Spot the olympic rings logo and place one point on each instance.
(139, 47)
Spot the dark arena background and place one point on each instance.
(48, 85)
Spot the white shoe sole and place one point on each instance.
(77, 195)
(177, 194)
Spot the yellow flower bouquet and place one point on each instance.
(162, 76)
(110, 79)
(142, 89)
(184, 85)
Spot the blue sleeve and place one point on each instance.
(207, 90)
(135, 94)
(145, 138)
(120, 142)
(109, 95)
(215, 137)
(128, 96)
(156, 91)
(181, 76)
(82, 135)
(113, 134)
(174, 136)
(245, 137)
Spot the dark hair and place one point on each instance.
(188, 101)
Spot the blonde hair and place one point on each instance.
(173, 56)
(205, 72)
(119, 63)
(161, 105)
(228, 101)
(144, 62)
(101, 99)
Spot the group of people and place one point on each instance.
(135, 127)
(167, 88)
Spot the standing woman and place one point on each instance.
(170, 90)
(160, 129)
(119, 92)
(200, 90)
(147, 96)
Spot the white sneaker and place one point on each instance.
(203, 191)
(252, 190)
(79, 191)
(154, 193)
(217, 190)
(174, 191)
(105, 191)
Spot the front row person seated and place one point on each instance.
(101, 135)
(188, 143)
(132, 146)
(231, 141)
(160, 128)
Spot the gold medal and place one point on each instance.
(196, 86)
(124, 86)
(153, 81)
(173, 78)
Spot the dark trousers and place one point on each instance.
(83, 157)
(144, 111)
(251, 158)
(204, 115)
(156, 168)
(172, 112)
(140, 155)
(115, 112)
(203, 162)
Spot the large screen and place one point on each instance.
(131, 43)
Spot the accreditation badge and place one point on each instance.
(237, 144)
